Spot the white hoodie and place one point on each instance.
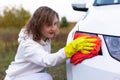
(33, 57)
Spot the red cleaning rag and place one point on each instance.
(78, 57)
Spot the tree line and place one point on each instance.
(14, 17)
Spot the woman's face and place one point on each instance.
(48, 31)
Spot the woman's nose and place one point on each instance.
(54, 27)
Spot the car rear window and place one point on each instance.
(106, 2)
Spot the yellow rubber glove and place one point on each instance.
(82, 44)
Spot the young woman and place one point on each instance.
(33, 54)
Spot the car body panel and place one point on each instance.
(101, 20)
(109, 20)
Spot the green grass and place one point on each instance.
(8, 48)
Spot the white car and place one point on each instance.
(102, 19)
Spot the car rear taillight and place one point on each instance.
(92, 34)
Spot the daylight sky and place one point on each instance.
(63, 7)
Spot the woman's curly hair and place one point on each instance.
(42, 16)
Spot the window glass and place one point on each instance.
(106, 2)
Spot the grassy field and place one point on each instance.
(9, 44)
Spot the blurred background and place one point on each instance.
(63, 7)
(13, 16)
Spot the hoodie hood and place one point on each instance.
(23, 35)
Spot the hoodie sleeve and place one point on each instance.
(34, 53)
